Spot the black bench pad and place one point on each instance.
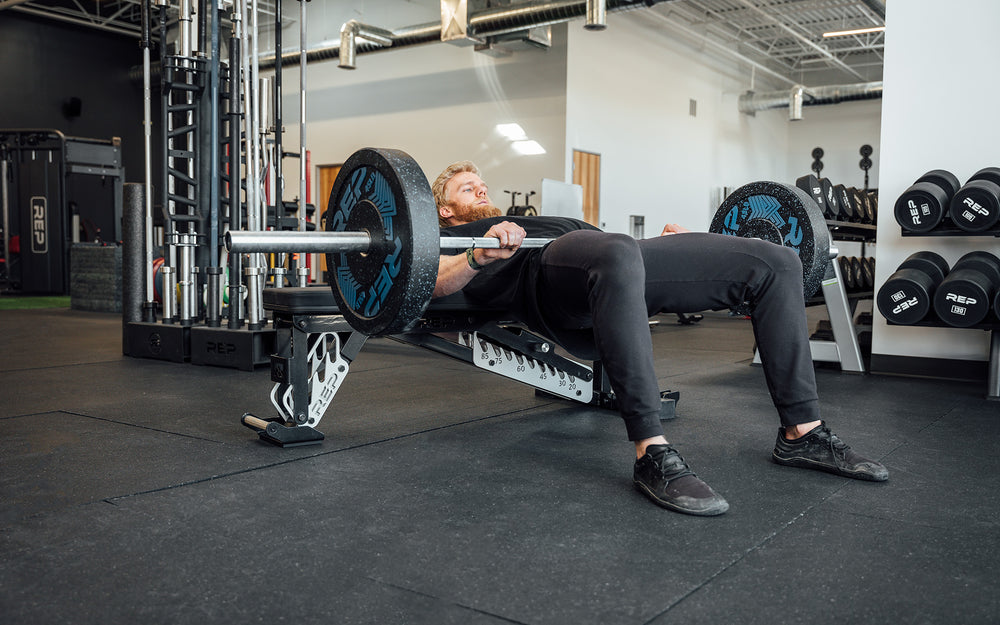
(318, 300)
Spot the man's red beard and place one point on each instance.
(474, 213)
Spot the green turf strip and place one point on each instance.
(23, 302)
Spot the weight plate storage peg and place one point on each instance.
(965, 296)
(907, 297)
(782, 214)
(385, 289)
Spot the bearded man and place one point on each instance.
(593, 292)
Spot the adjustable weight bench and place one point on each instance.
(314, 348)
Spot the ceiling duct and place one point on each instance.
(483, 24)
(798, 96)
(877, 7)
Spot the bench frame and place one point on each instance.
(314, 348)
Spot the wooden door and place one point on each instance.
(587, 174)
(327, 174)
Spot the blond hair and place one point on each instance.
(440, 199)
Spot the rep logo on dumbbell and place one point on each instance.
(976, 206)
(907, 296)
(923, 206)
(961, 297)
(938, 197)
(966, 294)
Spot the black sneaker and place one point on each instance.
(663, 476)
(821, 449)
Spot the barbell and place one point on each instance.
(382, 240)
(274, 241)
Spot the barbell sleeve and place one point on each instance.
(275, 241)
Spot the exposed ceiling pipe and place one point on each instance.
(877, 7)
(795, 98)
(799, 96)
(483, 24)
(349, 34)
(6, 4)
(597, 15)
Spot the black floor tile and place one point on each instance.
(837, 567)
(129, 492)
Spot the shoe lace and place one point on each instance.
(838, 448)
(671, 466)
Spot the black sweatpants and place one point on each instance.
(613, 284)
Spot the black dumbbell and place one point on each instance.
(859, 273)
(847, 273)
(965, 296)
(908, 295)
(922, 206)
(857, 206)
(868, 273)
(866, 209)
(811, 185)
(845, 208)
(873, 202)
(976, 206)
(830, 197)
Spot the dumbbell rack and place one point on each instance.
(949, 230)
(993, 376)
(844, 348)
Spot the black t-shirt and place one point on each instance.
(512, 284)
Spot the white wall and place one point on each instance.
(841, 130)
(628, 90)
(938, 111)
(439, 103)
(623, 92)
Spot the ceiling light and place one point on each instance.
(514, 132)
(529, 147)
(856, 31)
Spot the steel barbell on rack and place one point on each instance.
(382, 240)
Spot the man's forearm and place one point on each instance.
(454, 272)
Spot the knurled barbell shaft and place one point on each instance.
(322, 242)
(490, 242)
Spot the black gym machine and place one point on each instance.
(214, 148)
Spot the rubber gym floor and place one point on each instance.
(130, 493)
